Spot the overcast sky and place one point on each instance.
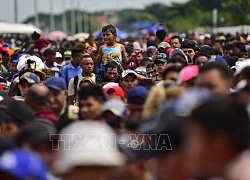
(26, 7)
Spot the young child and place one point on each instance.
(110, 51)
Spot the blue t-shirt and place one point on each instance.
(72, 72)
(111, 54)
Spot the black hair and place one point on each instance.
(92, 90)
(176, 37)
(161, 34)
(200, 54)
(35, 35)
(86, 56)
(172, 69)
(90, 36)
(232, 61)
(178, 60)
(149, 51)
(240, 46)
(144, 62)
(80, 46)
(76, 51)
(110, 28)
(150, 65)
(222, 69)
(207, 49)
(225, 115)
(115, 121)
(48, 52)
(151, 42)
(113, 65)
(228, 47)
(147, 83)
(218, 53)
(23, 114)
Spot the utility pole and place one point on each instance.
(79, 15)
(73, 18)
(64, 17)
(52, 19)
(37, 23)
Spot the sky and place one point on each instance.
(25, 8)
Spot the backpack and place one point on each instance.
(75, 82)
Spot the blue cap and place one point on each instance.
(17, 59)
(30, 78)
(218, 59)
(22, 164)
(56, 83)
(138, 95)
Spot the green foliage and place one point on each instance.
(178, 17)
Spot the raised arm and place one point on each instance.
(97, 60)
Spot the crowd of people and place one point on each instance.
(158, 107)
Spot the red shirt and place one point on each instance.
(41, 43)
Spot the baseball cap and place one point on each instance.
(142, 71)
(179, 52)
(14, 58)
(240, 65)
(23, 164)
(113, 89)
(152, 48)
(58, 55)
(88, 79)
(67, 53)
(30, 78)
(127, 72)
(187, 43)
(99, 147)
(56, 83)
(138, 95)
(187, 73)
(23, 61)
(163, 45)
(161, 57)
(116, 106)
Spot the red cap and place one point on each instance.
(115, 90)
(168, 50)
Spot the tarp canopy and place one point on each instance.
(16, 28)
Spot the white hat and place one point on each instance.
(23, 62)
(58, 55)
(88, 143)
(116, 106)
(240, 65)
(177, 51)
(127, 72)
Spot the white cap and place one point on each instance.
(88, 143)
(23, 62)
(58, 55)
(177, 51)
(127, 72)
(116, 106)
(240, 65)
